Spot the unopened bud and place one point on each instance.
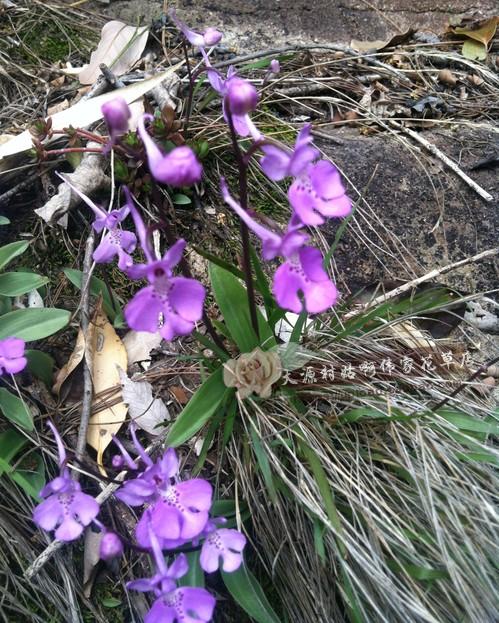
(116, 114)
(275, 66)
(110, 546)
(241, 96)
(212, 36)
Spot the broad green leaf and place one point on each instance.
(33, 324)
(232, 299)
(15, 284)
(12, 250)
(111, 602)
(4, 220)
(223, 508)
(110, 301)
(30, 475)
(262, 283)
(474, 50)
(15, 410)
(298, 328)
(181, 200)
(320, 548)
(195, 575)
(199, 410)
(11, 442)
(248, 593)
(41, 365)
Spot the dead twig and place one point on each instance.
(406, 287)
(86, 406)
(433, 149)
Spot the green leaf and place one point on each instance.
(325, 491)
(248, 593)
(199, 410)
(233, 302)
(223, 508)
(41, 365)
(33, 324)
(15, 410)
(110, 602)
(263, 463)
(468, 423)
(12, 250)
(110, 301)
(11, 442)
(474, 50)
(195, 575)
(181, 200)
(30, 475)
(15, 284)
(4, 220)
(418, 573)
(218, 261)
(262, 283)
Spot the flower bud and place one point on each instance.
(241, 96)
(117, 461)
(110, 546)
(116, 114)
(212, 36)
(275, 66)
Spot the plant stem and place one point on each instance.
(73, 150)
(245, 240)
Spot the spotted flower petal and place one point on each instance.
(224, 544)
(186, 605)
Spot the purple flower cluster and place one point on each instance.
(176, 513)
(315, 194)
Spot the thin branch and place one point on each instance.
(415, 282)
(433, 149)
(86, 406)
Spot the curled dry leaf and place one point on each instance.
(368, 46)
(88, 177)
(476, 45)
(109, 356)
(147, 412)
(120, 47)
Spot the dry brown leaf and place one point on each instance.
(180, 394)
(120, 47)
(109, 354)
(64, 377)
(367, 46)
(484, 34)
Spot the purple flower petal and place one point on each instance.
(303, 200)
(326, 180)
(179, 567)
(175, 326)
(83, 507)
(136, 492)
(143, 539)
(287, 283)
(185, 605)
(275, 162)
(169, 463)
(48, 513)
(142, 311)
(166, 520)
(69, 530)
(186, 296)
(12, 358)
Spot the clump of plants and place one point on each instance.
(366, 488)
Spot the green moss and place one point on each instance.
(48, 42)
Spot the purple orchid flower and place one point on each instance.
(178, 510)
(12, 359)
(211, 36)
(117, 241)
(171, 304)
(318, 193)
(301, 272)
(186, 604)
(110, 546)
(66, 509)
(278, 163)
(221, 543)
(178, 168)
